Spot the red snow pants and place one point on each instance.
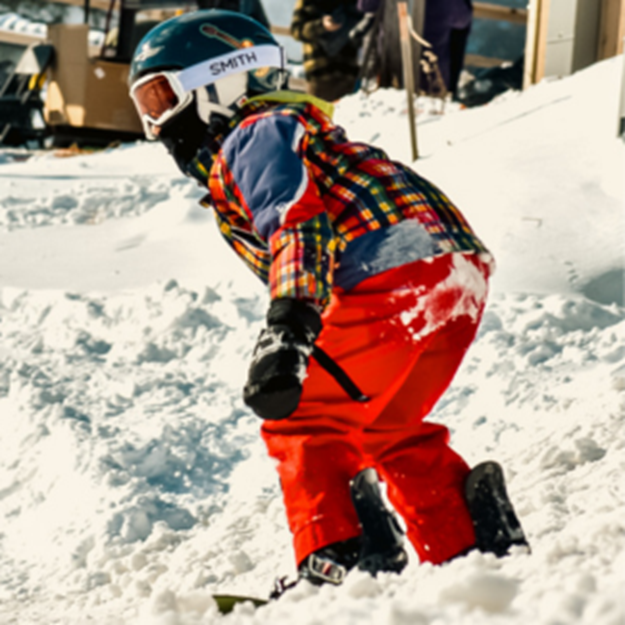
(400, 335)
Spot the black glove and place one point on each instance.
(280, 358)
(333, 42)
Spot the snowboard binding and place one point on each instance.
(378, 549)
(495, 523)
(331, 564)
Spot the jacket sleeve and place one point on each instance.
(283, 206)
(306, 24)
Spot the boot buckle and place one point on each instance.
(325, 570)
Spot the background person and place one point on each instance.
(331, 62)
(446, 27)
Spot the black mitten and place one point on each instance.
(280, 358)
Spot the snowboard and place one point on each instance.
(226, 603)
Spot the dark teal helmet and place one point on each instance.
(214, 58)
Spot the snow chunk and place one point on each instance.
(488, 591)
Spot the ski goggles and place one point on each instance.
(160, 96)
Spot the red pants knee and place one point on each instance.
(400, 336)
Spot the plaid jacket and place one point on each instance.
(308, 210)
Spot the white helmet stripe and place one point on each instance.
(242, 60)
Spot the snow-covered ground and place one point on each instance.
(133, 483)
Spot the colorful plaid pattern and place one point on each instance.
(361, 190)
(303, 261)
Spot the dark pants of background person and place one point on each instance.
(331, 87)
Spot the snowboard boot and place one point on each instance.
(496, 525)
(382, 543)
(378, 549)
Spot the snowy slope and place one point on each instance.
(133, 483)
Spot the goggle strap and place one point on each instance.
(225, 65)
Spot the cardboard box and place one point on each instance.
(84, 91)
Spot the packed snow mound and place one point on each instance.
(133, 482)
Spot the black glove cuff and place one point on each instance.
(301, 317)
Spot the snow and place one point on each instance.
(13, 22)
(133, 482)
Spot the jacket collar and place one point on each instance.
(199, 168)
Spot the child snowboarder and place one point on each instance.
(377, 285)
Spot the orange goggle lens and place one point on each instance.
(155, 97)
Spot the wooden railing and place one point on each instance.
(103, 5)
(281, 30)
(487, 11)
(19, 39)
(23, 40)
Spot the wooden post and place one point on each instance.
(406, 54)
(621, 121)
(418, 22)
(535, 42)
(541, 39)
(530, 43)
(611, 29)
